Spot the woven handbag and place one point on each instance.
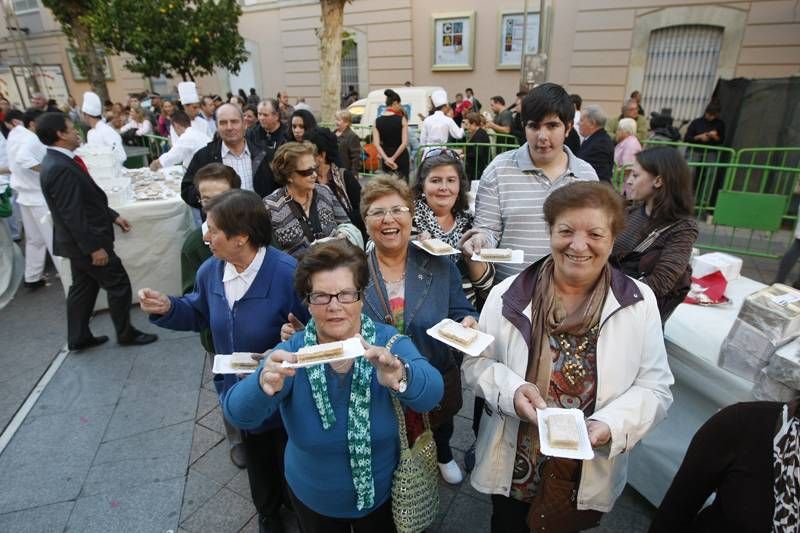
(415, 491)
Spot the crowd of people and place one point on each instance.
(295, 251)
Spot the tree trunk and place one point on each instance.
(330, 57)
(93, 65)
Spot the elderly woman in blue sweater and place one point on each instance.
(343, 434)
(243, 294)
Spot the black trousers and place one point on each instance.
(378, 521)
(442, 435)
(788, 261)
(87, 280)
(264, 454)
(509, 515)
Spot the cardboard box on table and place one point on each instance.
(729, 265)
(771, 390)
(784, 365)
(768, 319)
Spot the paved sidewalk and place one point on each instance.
(129, 439)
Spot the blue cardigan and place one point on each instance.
(317, 461)
(254, 323)
(432, 292)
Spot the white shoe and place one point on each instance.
(451, 472)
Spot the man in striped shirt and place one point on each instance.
(513, 188)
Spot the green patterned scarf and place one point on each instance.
(359, 442)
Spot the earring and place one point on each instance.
(239, 243)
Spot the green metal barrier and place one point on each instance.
(751, 208)
(156, 145)
(478, 154)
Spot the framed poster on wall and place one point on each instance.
(50, 79)
(510, 31)
(453, 36)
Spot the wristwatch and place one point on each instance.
(402, 385)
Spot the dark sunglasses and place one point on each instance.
(307, 172)
(445, 152)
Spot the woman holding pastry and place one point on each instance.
(343, 434)
(441, 211)
(414, 290)
(570, 331)
(243, 294)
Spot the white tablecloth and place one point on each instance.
(694, 336)
(151, 251)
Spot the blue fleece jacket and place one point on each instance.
(317, 461)
(254, 323)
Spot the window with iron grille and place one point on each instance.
(681, 70)
(349, 66)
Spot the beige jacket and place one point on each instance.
(633, 382)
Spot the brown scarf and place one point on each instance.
(548, 317)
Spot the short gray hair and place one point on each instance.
(595, 114)
(627, 125)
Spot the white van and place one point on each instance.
(415, 100)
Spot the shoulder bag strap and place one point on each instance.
(651, 238)
(388, 318)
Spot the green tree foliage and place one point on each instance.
(74, 17)
(191, 38)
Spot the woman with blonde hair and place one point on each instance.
(137, 122)
(349, 143)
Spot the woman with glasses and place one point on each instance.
(343, 444)
(243, 295)
(302, 210)
(441, 211)
(390, 136)
(414, 290)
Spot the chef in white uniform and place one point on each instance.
(101, 133)
(25, 154)
(190, 140)
(438, 127)
(187, 92)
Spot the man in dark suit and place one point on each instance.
(83, 231)
(597, 148)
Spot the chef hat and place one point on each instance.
(91, 104)
(439, 98)
(187, 92)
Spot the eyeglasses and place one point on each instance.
(307, 172)
(446, 152)
(323, 298)
(397, 211)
